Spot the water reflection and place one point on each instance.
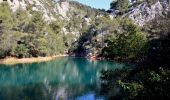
(61, 79)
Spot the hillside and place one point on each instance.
(47, 27)
(41, 23)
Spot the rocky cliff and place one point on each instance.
(139, 13)
(143, 12)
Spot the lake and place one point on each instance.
(65, 78)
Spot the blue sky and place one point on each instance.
(102, 4)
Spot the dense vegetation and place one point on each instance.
(150, 79)
(32, 36)
(121, 5)
(117, 38)
(24, 35)
(127, 41)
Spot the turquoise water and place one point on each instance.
(61, 79)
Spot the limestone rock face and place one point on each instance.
(63, 8)
(49, 8)
(144, 12)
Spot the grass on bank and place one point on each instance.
(13, 60)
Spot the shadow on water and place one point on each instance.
(62, 79)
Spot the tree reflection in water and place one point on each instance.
(63, 78)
